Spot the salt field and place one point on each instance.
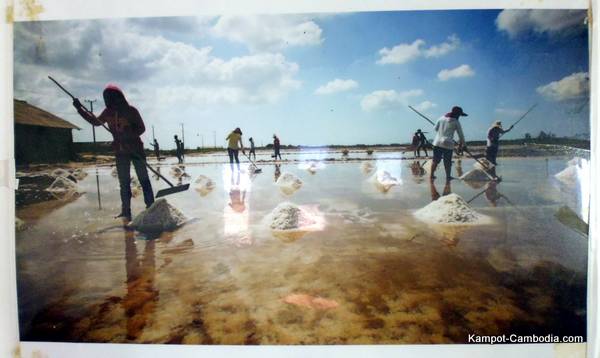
(346, 260)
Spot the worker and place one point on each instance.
(252, 151)
(421, 143)
(178, 149)
(156, 149)
(415, 144)
(234, 144)
(126, 125)
(493, 141)
(443, 144)
(276, 147)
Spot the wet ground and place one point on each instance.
(371, 274)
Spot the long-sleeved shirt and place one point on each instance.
(445, 128)
(125, 125)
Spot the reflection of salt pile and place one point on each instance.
(113, 172)
(450, 209)
(367, 167)
(475, 175)
(204, 185)
(288, 183)
(312, 166)
(178, 171)
(384, 181)
(63, 188)
(136, 187)
(161, 216)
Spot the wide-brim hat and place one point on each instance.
(458, 111)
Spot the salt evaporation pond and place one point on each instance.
(371, 274)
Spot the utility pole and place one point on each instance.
(153, 137)
(91, 102)
(202, 140)
(182, 141)
(215, 138)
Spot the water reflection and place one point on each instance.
(236, 213)
(417, 171)
(277, 173)
(98, 190)
(140, 300)
(435, 195)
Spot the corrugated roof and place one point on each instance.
(28, 114)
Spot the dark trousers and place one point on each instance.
(421, 146)
(491, 153)
(123, 172)
(440, 153)
(277, 153)
(252, 152)
(233, 154)
(179, 156)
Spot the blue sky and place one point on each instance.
(263, 73)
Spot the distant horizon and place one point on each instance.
(315, 78)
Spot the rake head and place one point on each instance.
(172, 190)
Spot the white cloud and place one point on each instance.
(268, 32)
(387, 99)
(574, 86)
(337, 85)
(425, 106)
(458, 72)
(403, 53)
(516, 22)
(443, 48)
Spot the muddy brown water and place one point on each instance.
(371, 274)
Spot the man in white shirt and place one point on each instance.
(443, 144)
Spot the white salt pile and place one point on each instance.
(569, 175)
(384, 181)
(63, 188)
(574, 161)
(19, 224)
(367, 167)
(286, 216)
(450, 209)
(60, 173)
(475, 175)
(79, 174)
(288, 183)
(176, 171)
(113, 172)
(159, 217)
(204, 185)
(427, 166)
(483, 164)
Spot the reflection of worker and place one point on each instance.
(237, 197)
(493, 141)
(234, 144)
(459, 169)
(156, 149)
(434, 193)
(277, 171)
(491, 193)
(140, 300)
(443, 144)
(417, 170)
(126, 125)
(178, 149)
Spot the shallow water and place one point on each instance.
(371, 274)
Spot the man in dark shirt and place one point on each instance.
(178, 149)
(493, 141)
(422, 144)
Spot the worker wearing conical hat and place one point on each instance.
(493, 141)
